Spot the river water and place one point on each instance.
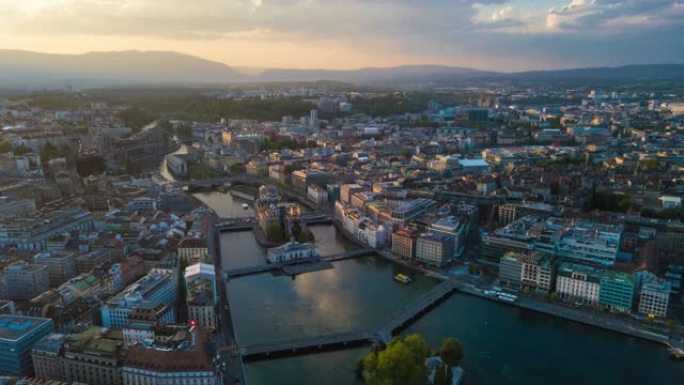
(503, 344)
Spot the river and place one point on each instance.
(503, 344)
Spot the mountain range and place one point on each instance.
(32, 70)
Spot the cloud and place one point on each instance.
(500, 34)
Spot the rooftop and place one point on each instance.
(15, 327)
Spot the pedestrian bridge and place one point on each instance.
(395, 323)
(234, 273)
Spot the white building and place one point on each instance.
(317, 195)
(372, 234)
(292, 251)
(655, 298)
(580, 283)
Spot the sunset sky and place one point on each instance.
(488, 34)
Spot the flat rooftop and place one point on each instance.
(14, 327)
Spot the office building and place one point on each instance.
(579, 283)
(18, 334)
(510, 270)
(156, 288)
(193, 250)
(33, 232)
(404, 243)
(654, 298)
(200, 280)
(94, 357)
(434, 249)
(25, 281)
(302, 179)
(184, 359)
(46, 356)
(61, 265)
(537, 271)
(617, 291)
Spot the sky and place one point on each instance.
(503, 35)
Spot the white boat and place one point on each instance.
(245, 206)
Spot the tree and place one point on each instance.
(553, 297)
(275, 232)
(451, 352)
(407, 154)
(400, 363)
(5, 147)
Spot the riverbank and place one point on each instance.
(576, 315)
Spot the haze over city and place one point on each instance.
(502, 35)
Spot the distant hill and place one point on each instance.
(31, 70)
(388, 75)
(645, 71)
(26, 69)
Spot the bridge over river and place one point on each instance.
(396, 322)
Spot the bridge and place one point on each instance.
(306, 345)
(236, 224)
(234, 273)
(396, 322)
(405, 316)
(247, 223)
(213, 182)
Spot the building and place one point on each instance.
(25, 281)
(61, 265)
(32, 232)
(193, 250)
(580, 283)
(46, 356)
(94, 357)
(410, 210)
(537, 271)
(434, 249)
(617, 291)
(18, 334)
(404, 243)
(200, 280)
(510, 270)
(453, 228)
(518, 237)
(302, 179)
(347, 190)
(292, 251)
(176, 165)
(318, 195)
(654, 298)
(474, 166)
(587, 241)
(184, 359)
(156, 288)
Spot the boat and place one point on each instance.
(402, 278)
(245, 206)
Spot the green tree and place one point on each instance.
(400, 363)
(451, 352)
(553, 297)
(275, 232)
(407, 154)
(5, 147)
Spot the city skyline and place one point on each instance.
(501, 35)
